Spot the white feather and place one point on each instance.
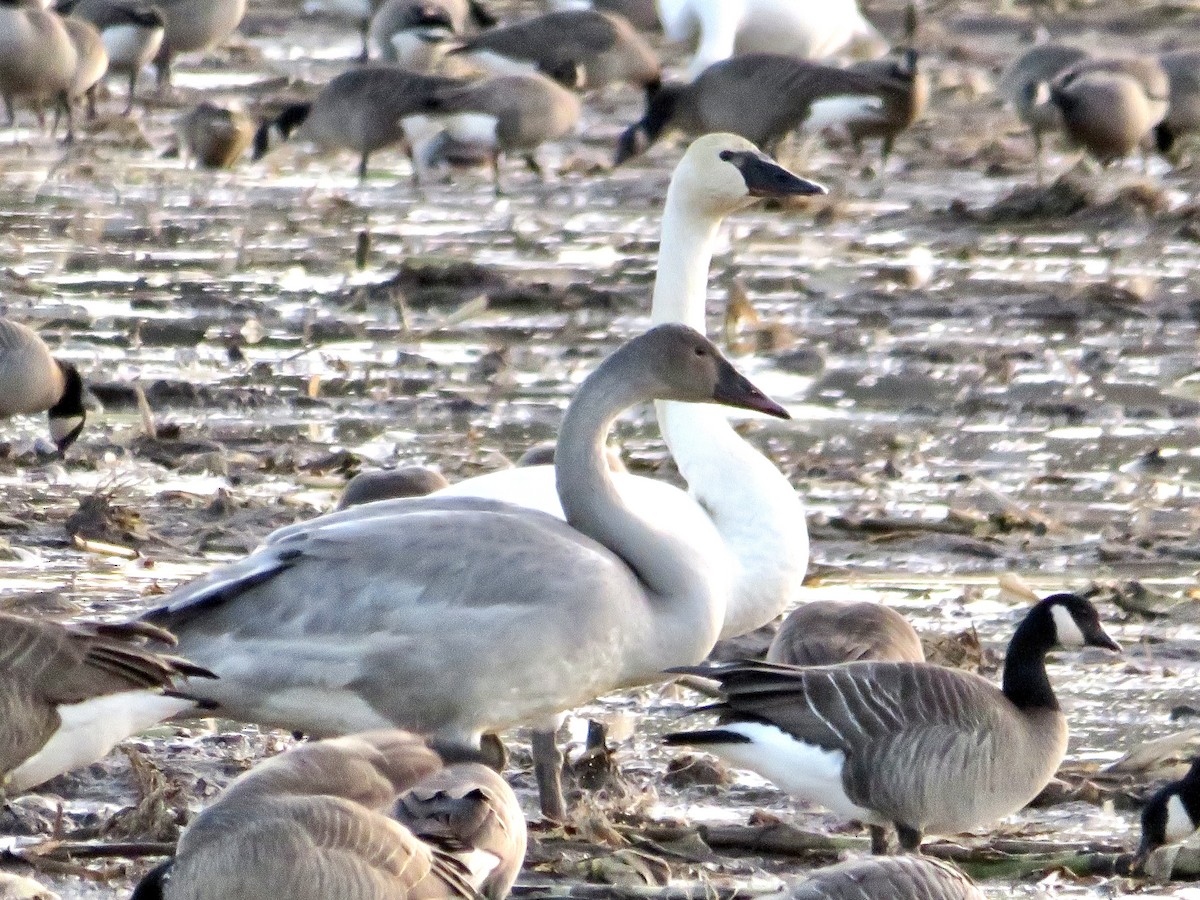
(1066, 627)
(476, 129)
(130, 45)
(90, 729)
(497, 64)
(841, 110)
(803, 770)
(1179, 823)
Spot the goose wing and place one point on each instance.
(569, 36)
(888, 878)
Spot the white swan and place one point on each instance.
(454, 616)
(741, 509)
(809, 29)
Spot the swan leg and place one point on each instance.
(547, 768)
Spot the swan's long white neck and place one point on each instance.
(751, 504)
(685, 606)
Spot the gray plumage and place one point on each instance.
(391, 484)
(762, 97)
(886, 878)
(468, 805)
(413, 33)
(921, 747)
(312, 824)
(603, 49)
(33, 381)
(1106, 113)
(45, 666)
(1183, 113)
(454, 617)
(827, 632)
(194, 26)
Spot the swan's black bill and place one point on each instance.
(734, 389)
(766, 178)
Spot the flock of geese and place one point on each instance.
(406, 629)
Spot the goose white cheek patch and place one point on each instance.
(1065, 625)
(1179, 823)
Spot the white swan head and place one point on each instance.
(722, 173)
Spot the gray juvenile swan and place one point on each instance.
(33, 381)
(911, 744)
(313, 824)
(454, 616)
(68, 693)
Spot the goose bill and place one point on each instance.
(766, 178)
(735, 389)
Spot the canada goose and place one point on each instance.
(825, 632)
(91, 63)
(214, 137)
(1183, 113)
(741, 512)
(601, 49)
(641, 14)
(132, 33)
(1171, 814)
(728, 96)
(467, 805)
(543, 455)
(194, 26)
(1020, 83)
(33, 381)
(361, 110)
(506, 114)
(415, 33)
(726, 28)
(1105, 113)
(455, 616)
(38, 60)
(902, 105)
(68, 693)
(885, 878)
(313, 824)
(390, 484)
(910, 744)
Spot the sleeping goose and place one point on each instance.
(455, 616)
(885, 878)
(33, 381)
(825, 632)
(467, 805)
(729, 97)
(213, 137)
(313, 824)
(69, 693)
(601, 49)
(726, 28)
(924, 748)
(1171, 814)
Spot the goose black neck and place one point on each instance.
(70, 404)
(1026, 683)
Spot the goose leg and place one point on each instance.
(547, 768)
(362, 168)
(365, 28)
(132, 86)
(882, 843)
(910, 838)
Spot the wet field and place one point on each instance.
(982, 382)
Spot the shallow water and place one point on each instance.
(1017, 377)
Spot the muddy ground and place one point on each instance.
(985, 378)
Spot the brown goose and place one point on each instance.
(886, 878)
(38, 60)
(68, 693)
(33, 381)
(1105, 113)
(390, 484)
(1020, 86)
(91, 64)
(762, 97)
(902, 105)
(910, 744)
(313, 824)
(214, 137)
(582, 46)
(827, 632)
(132, 31)
(468, 805)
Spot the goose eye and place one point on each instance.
(700, 351)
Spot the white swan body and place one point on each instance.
(741, 510)
(809, 29)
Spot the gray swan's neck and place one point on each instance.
(667, 567)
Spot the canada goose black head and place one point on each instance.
(67, 415)
(1171, 814)
(570, 74)
(660, 109)
(153, 882)
(481, 15)
(291, 118)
